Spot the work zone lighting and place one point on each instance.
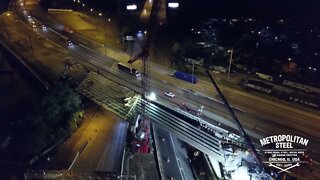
(131, 7)
(173, 4)
(152, 96)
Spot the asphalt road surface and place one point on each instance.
(173, 158)
(275, 116)
(105, 134)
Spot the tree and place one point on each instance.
(48, 121)
(178, 51)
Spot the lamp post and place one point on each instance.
(192, 74)
(4, 25)
(230, 60)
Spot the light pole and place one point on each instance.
(192, 74)
(4, 25)
(104, 37)
(230, 60)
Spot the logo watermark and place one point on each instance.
(282, 151)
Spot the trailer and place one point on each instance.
(259, 86)
(185, 76)
(126, 68)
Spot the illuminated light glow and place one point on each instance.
(240, 173)
(152, 96)
(142, 135)
(131, 7)
(173, 4)
(139, 34)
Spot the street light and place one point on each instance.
(100, 14)
(230, 60)
(192, 74)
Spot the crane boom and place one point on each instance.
(143, 54)
(234, 117)
(152, 31)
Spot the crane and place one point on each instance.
(234, 117)
(152, 27)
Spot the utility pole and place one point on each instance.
(105, 28)
(230, 60)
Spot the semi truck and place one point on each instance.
(126, 68)
(186, 77)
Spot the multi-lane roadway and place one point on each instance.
(275, 117)
(259, 126)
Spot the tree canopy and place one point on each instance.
(49, 121)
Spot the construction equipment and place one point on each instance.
(144, 57)
(240, 128)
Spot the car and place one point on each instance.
(170, 94)
(43, 27)
(69, 42)
(34, 26)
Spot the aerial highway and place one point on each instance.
(268, 117)
(261, 124)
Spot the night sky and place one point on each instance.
(304, 10)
